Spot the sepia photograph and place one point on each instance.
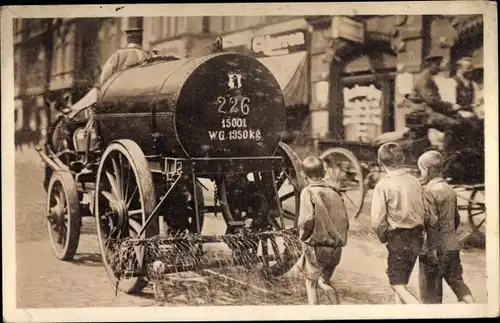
(193, 160)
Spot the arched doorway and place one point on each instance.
(362, 90)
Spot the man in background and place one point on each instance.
(477, 76)
(129, 56)
(463, 77)
(441, 113)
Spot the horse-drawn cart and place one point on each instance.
(134, 158)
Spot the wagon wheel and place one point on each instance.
(344, 171)
(476, 209)
(63, 215)
(125, 197)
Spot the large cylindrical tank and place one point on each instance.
(221, 105)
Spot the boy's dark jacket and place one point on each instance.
(323, 219)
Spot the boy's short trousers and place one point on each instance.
(319, 261)
(404, 246)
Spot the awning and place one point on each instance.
(291, 73)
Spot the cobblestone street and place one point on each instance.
(44, 281)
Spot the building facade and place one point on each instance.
(363, 66)
(343, 77)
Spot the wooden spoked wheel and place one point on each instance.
(344, 172)
(124, 198)
(63, 215)
(476, 210)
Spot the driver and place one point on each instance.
(124, 58)
(426, 105)
(441, 114)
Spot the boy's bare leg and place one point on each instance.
(331, 293)
(469, 299)
(405, 295)
(397, 299)
(312, 292)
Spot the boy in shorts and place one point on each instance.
(398, 218)
(442, 260)
(323, 225)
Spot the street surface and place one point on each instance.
(44, 282)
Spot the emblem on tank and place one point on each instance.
(234, 81)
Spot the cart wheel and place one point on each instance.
(345, 172)
(63, 215)
(125, 197)
(476, 210)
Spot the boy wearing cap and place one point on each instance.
(124, 58)
(398, 218)
(442, 259)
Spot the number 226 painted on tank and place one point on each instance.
(235, 105)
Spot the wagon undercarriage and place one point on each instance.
(150, 211)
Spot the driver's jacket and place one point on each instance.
(122, 59)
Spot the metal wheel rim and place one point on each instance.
(127, 285)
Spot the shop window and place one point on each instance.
(362, 112)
